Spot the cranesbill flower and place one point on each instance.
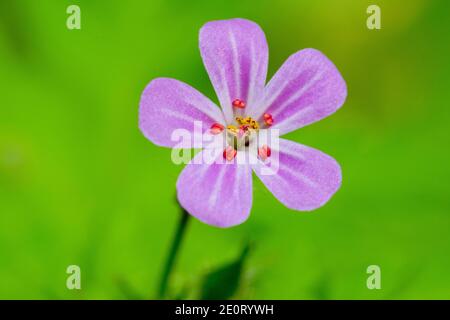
(306, 89)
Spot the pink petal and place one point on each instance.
(168, 104)
(217, 194)
(306, 89)
(302, 178)
(235, 55)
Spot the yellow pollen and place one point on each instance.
(242, 132)
(248, 121)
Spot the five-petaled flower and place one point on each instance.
(306, 89)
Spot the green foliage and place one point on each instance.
(223, 283)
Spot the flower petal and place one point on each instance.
(306, 89)
(300, 177)
(219, 194)
(168, 104)
(235, 55)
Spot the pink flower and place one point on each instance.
(306, 89)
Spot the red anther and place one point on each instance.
(264, 152)
(217, 128)
(268, 120)
(229, 153)
(238, 103)
(268, 150)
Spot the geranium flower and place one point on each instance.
(306, 89)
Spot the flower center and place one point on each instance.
(240, 135)
(242, 132)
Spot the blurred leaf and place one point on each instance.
(14, 24)
(183, 294)
(127, 290)
(321, 288)
(223, 282)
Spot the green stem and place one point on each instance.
(173, 254)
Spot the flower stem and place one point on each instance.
(173, 254)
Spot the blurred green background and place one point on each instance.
(79, 184)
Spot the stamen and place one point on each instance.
(238, 103)
(268, 120)
(216, 128)
(248, 122)
(241, 133)
(264, 152)
(229, 153)
(233, 129)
